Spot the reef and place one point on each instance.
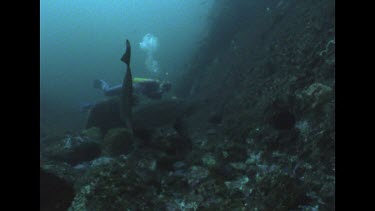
(258, 135)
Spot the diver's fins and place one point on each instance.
(126, 57)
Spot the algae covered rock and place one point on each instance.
(237, 184)
(279, 191)
(93, 133)
(73, 149)
(172, 144)
(118, 185)
(209, 160)
(117, 141)
(196, 175)
(317, 94)
(59, 169)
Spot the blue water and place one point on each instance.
(82, 40)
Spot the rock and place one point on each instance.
(317, 94)
(239, 183)
(215, 118)
(211, 132)
(146, 170)
(73, 150)
(209, 160)
(283, 120)
(276, 199)
(175, 146)
(62, 170)
(225, 172)
(117, 141)
(101, 161)
(196, 175)
(130, 183)
(82, 167)
(48, 141)
(55, 193)
(93, 133)
(239, 166)
(280, 114)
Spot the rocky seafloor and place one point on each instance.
(263, 138)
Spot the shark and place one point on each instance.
(118, 111)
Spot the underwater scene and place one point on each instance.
(182, 105)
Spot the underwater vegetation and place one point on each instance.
(252, 125)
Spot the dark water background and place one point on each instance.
(83, 40)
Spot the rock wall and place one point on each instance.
(271, 79)
(267, 56)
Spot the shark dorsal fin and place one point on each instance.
(126, 57)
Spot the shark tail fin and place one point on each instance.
(126, 57)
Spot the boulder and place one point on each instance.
(73, 150)
(117, 141)
(55, 193)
